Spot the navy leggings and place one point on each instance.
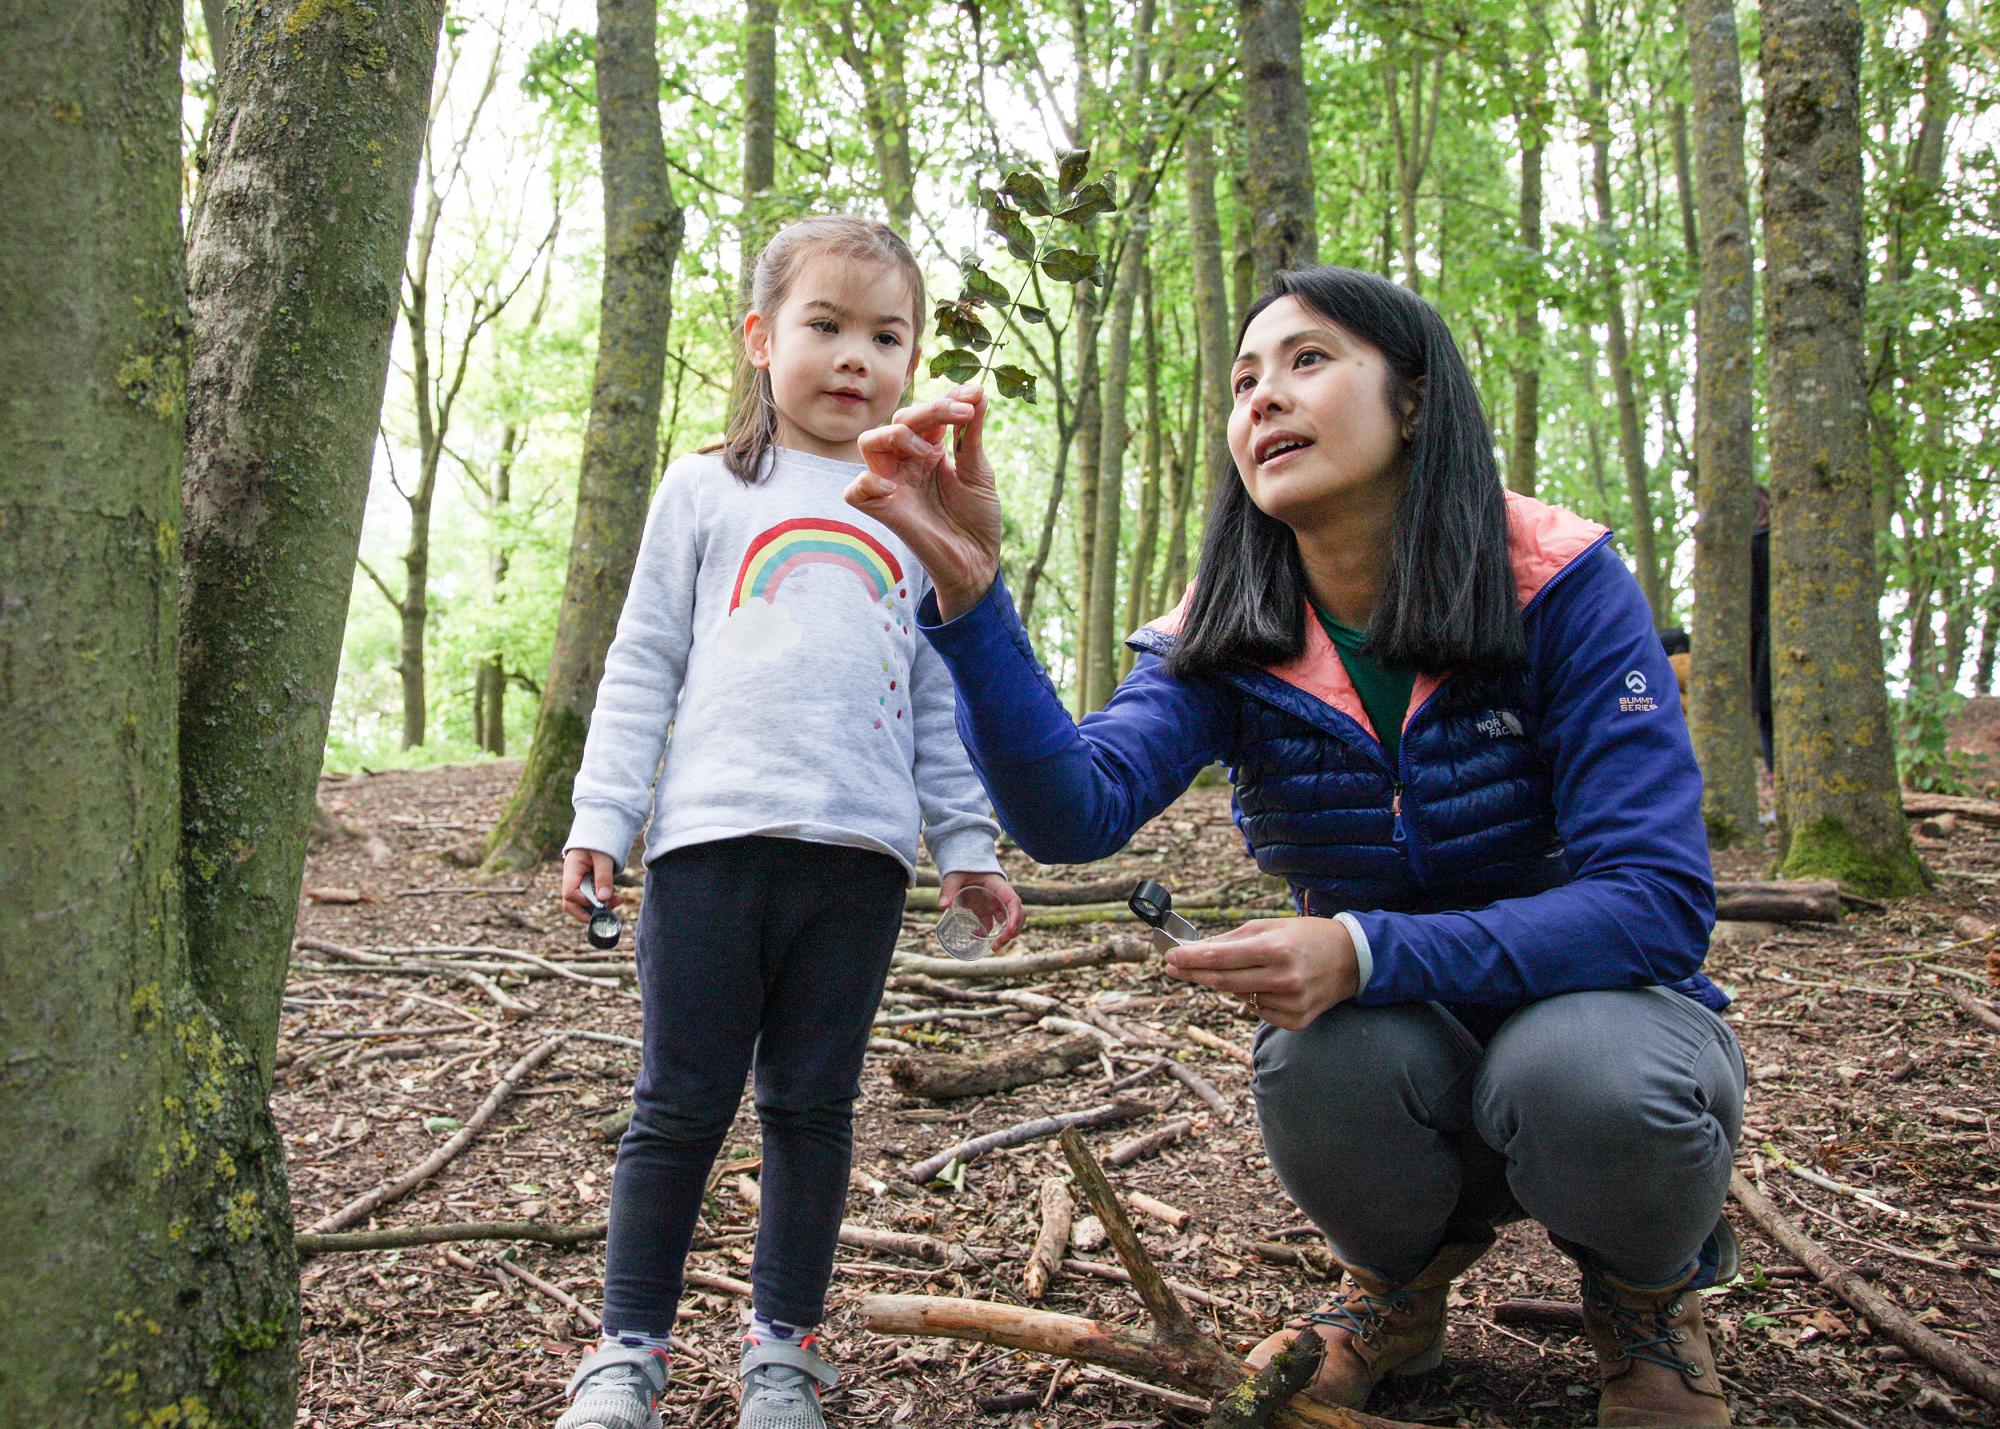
(764, 952)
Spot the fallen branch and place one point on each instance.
(1173, 1216)
(1972, 1006)
(1977, 811)
(1803, 900)
(1058, 1209)
(856, 1236)
(1110, 891)
(368, 1203)
(1180, 1287)
(1251, 1404)
(966, 1152)
(1218, 1044)
(1111, 950)
(398, 1237)
(1958, 1365)
(1551, 1314)
(1148, 1143)
(942, 1076)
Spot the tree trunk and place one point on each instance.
(760, 132)
(1413, 135)
(1242, 255)
(1524, 434)
(1277, 124)
(642, 238)
(489, 695)
(1211, 298)
(151, 1229)
(1720, 716)
(1187, 469)
(1139, 586)
(1989, 636)
(1841, 813)
(1618, 348)
(1100, 669)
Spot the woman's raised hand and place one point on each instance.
(941, 501)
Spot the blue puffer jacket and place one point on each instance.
(1543, 837)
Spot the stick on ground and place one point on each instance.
(1960, 1366)
(369, 1202)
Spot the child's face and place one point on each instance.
(840, 350)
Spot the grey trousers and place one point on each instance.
(1610, 1117)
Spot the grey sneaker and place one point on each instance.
(618, 1387)
(781, 1384)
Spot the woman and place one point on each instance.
(1451, 728)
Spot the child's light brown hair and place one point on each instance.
(753, 415)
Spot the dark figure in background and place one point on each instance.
(1760, 622)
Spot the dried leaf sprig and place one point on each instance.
(1022, 195)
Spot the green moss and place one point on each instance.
(1827, 848)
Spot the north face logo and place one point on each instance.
(1636, 682)
(1498, 724)
(1638, 702)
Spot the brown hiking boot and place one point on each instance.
(1653, 1357)
(1377, 1329)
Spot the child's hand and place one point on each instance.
(942, 502)
(582, 863)
(999, 887)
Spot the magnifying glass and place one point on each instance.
(1152, 905)
(605, 925)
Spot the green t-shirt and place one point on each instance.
(1385, 693)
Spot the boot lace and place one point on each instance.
(1635, 1342)
(1361, 1314)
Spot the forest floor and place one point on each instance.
(1863, 1070)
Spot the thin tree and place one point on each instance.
(1277, 125)
(1720, 715)
(760, 133)
(1413, 124)
(437, 378)
(1211, 296)
(1631, 448)
(1146, 540)
(172, 672)
(1840, 809)
(1531, 119)
(642, 238)
(1102, 647)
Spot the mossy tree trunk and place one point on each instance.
(1840, 809)
(168, 678)
(1211, 295)
(642, 238)
(1146, 541)
(1277, 124)
(1720, 716)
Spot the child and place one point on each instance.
(771, 627)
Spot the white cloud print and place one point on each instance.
(759, 632)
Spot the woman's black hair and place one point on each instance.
(1449, 601)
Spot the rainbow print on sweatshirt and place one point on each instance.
(815, 541)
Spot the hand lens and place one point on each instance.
(604, 924)
(1152, 905)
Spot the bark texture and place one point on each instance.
(760, 131)
(294, 264)
(1840, 810)
(1277, 124)
(1211, 296)
(1720, 716)
(642, 238)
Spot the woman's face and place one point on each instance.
(1312, 430)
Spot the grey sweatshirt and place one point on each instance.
(772, 627)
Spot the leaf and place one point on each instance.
(1066, 265)
(956, 364)
(960, 323)
(1091, 200)
(1006, 221)
(1015, 382)
(980, 287)
(1073, 165)
(1026, 188)
(442, 1123)
(1029, 313)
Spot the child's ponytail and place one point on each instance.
(753, 408)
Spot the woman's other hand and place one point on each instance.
(996, 884)
(1287, 970)
(942, 501)
(582, 863)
